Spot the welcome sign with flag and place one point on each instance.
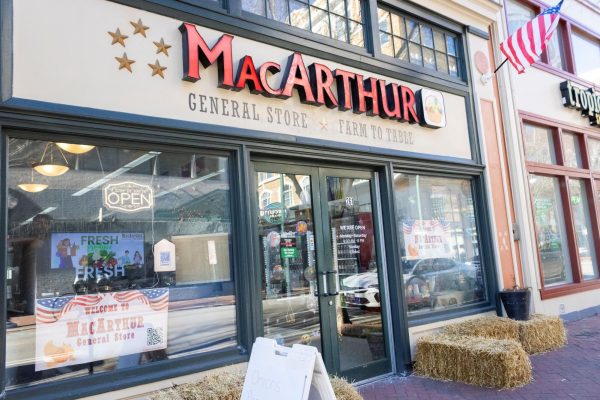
(527, 43)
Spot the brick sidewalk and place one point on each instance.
(572, 372)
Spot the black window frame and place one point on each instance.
(76, 387)
(459, 56)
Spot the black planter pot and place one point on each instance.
(516, 303)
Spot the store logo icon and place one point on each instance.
(128, 196)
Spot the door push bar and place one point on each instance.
(325, 275)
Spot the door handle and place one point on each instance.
(325, 275)
(336, 282)
(324, 283)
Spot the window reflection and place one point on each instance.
(438, 242)
(551, 229)
(113, 262)
(338, 19)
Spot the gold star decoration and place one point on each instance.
(125, 62)
(157, 69)
(161, 47)
(118, 37)
(139, 27)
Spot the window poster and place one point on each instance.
(97, 250)
(427, 238)
(79, 329)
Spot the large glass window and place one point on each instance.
(583, 228)
(342, 20)
(561, 183)
(586, 52)
(117, 258)
(438, 242)
(412, 41)
(551, 229)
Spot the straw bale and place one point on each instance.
(491, 327)
(344, 390)
(217, 386)
(542, 333)
(478, 361)
(228, 386)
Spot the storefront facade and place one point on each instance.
(556, 154)
(185, 176)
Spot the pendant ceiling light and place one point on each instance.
(33, 187)
(51, 167)
(75, 148)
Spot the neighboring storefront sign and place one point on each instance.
(426, 238)
(585, 100)
(128, 196)
(80, 329)
(264, 89)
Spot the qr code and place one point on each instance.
(154, 337)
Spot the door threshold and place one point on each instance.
(375, 379)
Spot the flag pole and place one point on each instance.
(500, 66)
(485, 78)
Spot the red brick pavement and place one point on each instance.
(572, 372)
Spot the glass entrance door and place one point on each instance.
(320, 265)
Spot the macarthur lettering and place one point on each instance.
(315, 84)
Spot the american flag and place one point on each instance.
(526, 45)
(52, 309)
(157, 299)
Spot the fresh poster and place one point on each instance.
(97, 250)
(80, 329)
(426, 238)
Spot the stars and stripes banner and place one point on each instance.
(427, 238)
(527, 43)
(79, 329)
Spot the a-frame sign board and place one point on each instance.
(277, 372)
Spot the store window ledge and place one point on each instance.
(449, 315)
(563, 290)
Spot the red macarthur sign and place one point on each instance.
(316, 84)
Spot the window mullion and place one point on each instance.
(568, 47)
(371, 28)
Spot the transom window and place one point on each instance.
(342, 20)
(409, 40)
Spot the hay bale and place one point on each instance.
(221, 385)
(491, 327)
(474, 360)
(344, 390)
(542, 333)
(229, 385)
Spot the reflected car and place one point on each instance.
(361, 290)
(435, 275)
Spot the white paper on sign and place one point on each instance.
(212, 253)
(278, 372)
(164, 256)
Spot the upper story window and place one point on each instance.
(582, 60)
(586, 52)
(338, 19)
(412, 41)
